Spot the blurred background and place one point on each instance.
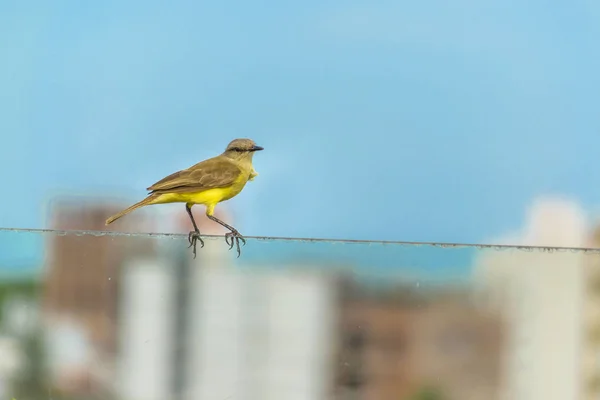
(119, 315)
(468, 122)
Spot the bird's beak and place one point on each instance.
(257, 148)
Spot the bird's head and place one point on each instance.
(241, 149)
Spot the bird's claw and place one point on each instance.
(235, 237)
(194, 237)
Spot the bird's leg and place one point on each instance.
(234, 235)
(194, 235)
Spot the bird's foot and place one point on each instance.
(193, 237)
(235, 237)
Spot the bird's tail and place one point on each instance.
(148, 200)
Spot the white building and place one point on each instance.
(254, 335)
(541, 296)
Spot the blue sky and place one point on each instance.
(424, 121)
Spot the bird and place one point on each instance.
(208, 183)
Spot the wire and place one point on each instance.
(549, 249)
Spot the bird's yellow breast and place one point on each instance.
(207, 197)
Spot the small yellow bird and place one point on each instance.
(209, 182)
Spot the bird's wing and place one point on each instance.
(208, 174)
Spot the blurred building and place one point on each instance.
(159, 309)
(81, 289)
(590, 346)
(542, 297)
(82, 272)
(262, 335)
(392, 349)
(90, 279)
